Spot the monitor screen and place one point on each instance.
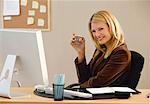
(28, 47)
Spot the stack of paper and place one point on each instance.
(104, 90)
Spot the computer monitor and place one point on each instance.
(30, 61)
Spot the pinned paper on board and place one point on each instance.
(40, 22)
(42, 8)
(31, 13)
(35, 5)
(30, 20)
(24, 2)
(7, 18)
(11, 7)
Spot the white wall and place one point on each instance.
(72, 16)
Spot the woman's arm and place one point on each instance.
(83, 70)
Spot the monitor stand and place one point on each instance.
(6, 77)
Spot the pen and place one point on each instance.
(148, 95)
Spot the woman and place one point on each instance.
(111, 60)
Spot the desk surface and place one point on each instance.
(34, 99)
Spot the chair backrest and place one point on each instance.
(137, 63)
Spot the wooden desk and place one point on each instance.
(34, 99)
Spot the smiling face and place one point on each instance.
(105, 31)
(100, 32)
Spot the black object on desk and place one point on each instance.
(119, 95)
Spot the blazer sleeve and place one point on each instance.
(83, 71)
(114, 68)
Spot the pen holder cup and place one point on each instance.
(58, 92)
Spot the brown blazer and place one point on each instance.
(102, 72)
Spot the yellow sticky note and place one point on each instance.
(30, 20)
(40, 22)
(42, 8)
(24, 2)
(35, 5)
(31, 13)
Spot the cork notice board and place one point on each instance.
(34, 14)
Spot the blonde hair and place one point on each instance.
(114, 29)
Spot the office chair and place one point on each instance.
(131, 78)
(137, 63)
